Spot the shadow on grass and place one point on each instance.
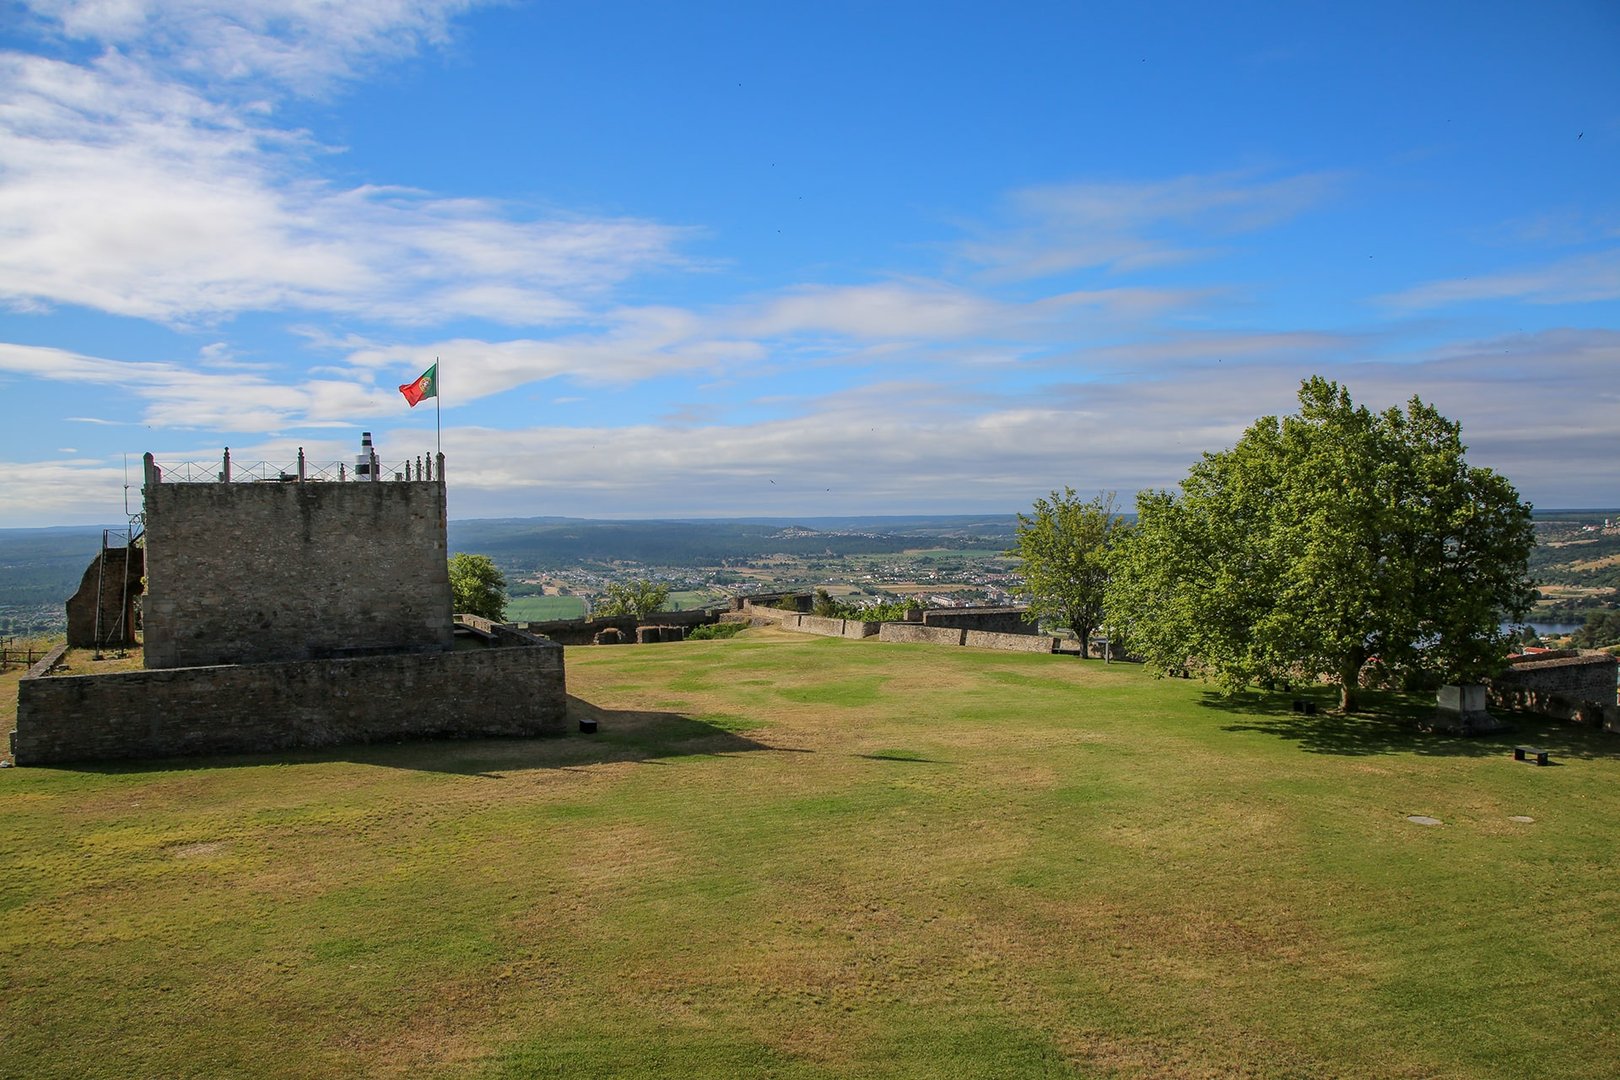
(648, 737)
(1388, 724)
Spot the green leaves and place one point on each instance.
(1064, 545)
(638, 598)
(477, 587)
(1324, 539)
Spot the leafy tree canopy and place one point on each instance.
(638, 598)
(1601, 628)
(1064, 545)
(1323, 540)
(477, 587)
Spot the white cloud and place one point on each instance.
(947, 449)
(1125, 227)
(67, 492)
(129, 193)
(304, 44)
(883, 324)
(174, 396)
(1579, 279)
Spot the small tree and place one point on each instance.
(1064, 546)
(638, 598)
(477, 587)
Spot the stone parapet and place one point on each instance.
(995, 620)
(919, 634)
(983, 639)
(585, 631)
(248, 708)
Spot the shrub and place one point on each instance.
(716, 630)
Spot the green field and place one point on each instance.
(692, 599)
(544, 608)
(794, 857)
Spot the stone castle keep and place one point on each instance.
(291, 613)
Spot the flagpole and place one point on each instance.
(438, 374)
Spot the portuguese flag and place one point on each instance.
(425, 386)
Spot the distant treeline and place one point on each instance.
(44, 566)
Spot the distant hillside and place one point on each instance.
(45, 565)
(1576, 561)
(549, 543)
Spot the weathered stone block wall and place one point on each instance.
(1578, 686)
(259, 707)
(584, 631)
(982, 639)
(108, 589)
(249, 572)
(997, 620)
(920, 634)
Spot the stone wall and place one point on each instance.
(584, 631)
(802, 601)
(983, 639)
(815, 624)
(240, 572)
(920, 634)
(995, 620)
(1569, 685)
(116, 580)
(491, 692)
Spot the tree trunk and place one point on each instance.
(1085, 643)
(1350, 678)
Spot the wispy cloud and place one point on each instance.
(1579, 279)
(125, 191)
(1124, 227)
(951, 447)
(175, 396)
(302, 44)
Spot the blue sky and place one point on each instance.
(723, 259)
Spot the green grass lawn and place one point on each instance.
(691, 599)
(544, 608)
(790, 856)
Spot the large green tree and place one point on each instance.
(1322, 540)
(1063, 546)
(477, 587)
(638, 598)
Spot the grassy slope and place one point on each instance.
(801, 857)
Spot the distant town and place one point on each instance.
(558, 568)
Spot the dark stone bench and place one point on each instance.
(1306, 707)
(1525, 753)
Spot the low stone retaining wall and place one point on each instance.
(994, 620)
(245, 708)
(927, 633)
(983, 639)
(920, 634)
(584, 631)
(815, 624)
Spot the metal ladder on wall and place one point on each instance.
(117, 632)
